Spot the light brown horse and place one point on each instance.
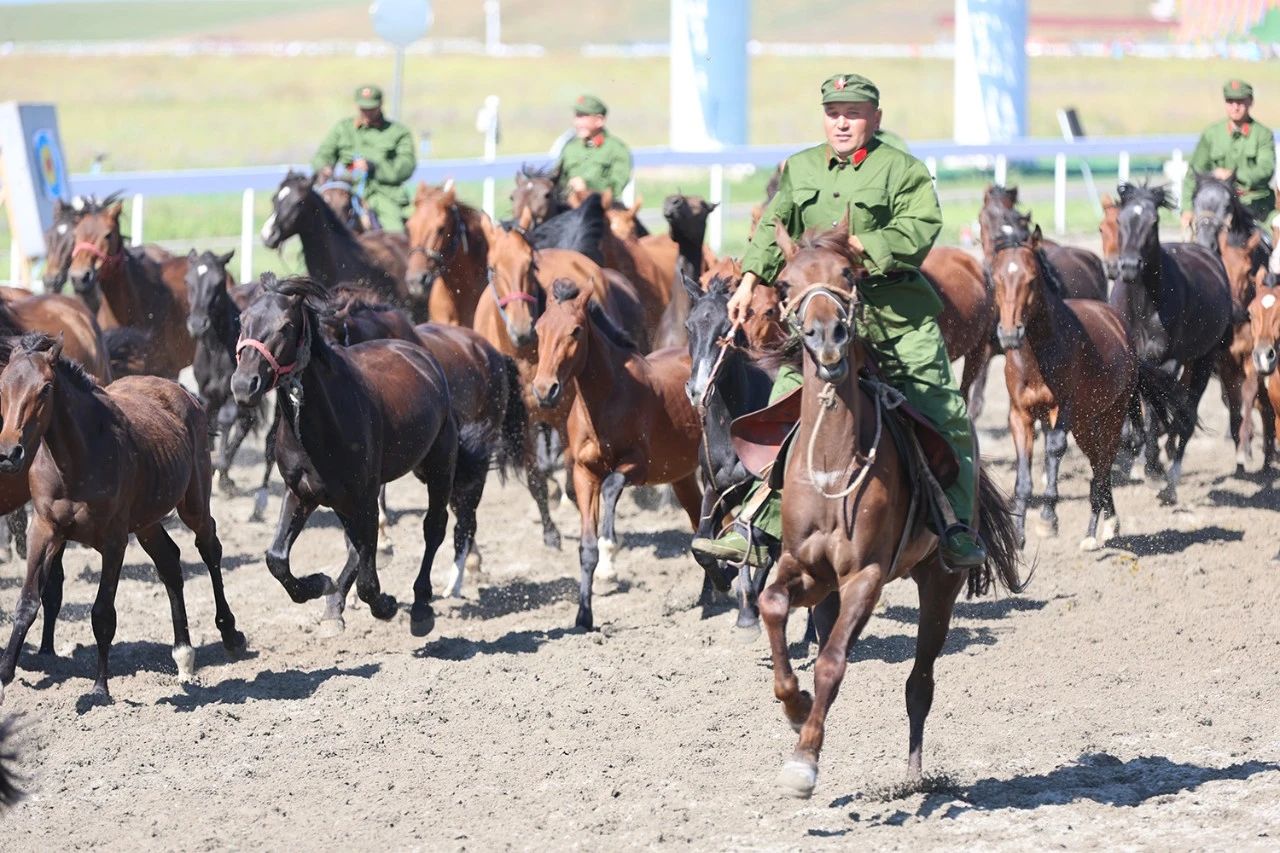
(1264, 323)
(448, 255)
(1240, 262)
(627, 257)
(107, 463)
(850, 543)
(631, 423)
(1109, 233)
(127, 289)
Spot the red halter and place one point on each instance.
(518, 296)
(277, 370)
(109, 262)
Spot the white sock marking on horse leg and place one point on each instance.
(1175, 474)
(604, 567)
(185, 658)
(1110, 528)
(453, 582)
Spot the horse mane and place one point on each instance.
(1242, 219)
(1006, 196)
(350, 297)
(579, 229)
(566, 290)
(549, 172)
(830, 240)
(1157, 195)
(719, 285)
(37, 342)
(314, 296)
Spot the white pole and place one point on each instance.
(931, 163)
(1002, 170)
(247, 233)
(490, 153)
(1060, 193)
(397, 83)
(1123, 169)
(492, 27)
(135, 224)
(715, 195)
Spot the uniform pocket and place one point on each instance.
(869, 209)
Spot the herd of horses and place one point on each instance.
(569, 337)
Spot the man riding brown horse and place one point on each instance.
(889, 201)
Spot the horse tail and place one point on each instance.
(1000, 536)
(515, 422)
(127, 348)
(10, 793)
(1167, 402)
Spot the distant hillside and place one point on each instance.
(556, 24)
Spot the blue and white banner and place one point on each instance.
(710, 78)
(990, 71)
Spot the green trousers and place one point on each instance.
(915, 362)
(390, 212)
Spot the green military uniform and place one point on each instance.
(1249, 150)
(387, 146)
(893, 209)
(603, 161)
(893, 140)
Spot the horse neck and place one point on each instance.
(78, 416)
(119, 286)
(319, 420)
(224, 321)
(330, 250)
(1048, 331)
(604, 369)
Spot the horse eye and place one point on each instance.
(47, 389)
(576, 333)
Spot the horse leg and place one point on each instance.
(1151, 449)
(104, 609)
(14, 530)
(195, 514)
(268, 462)
(1268, 429)
(293, 517)
(331, 622)
(163, 551)
(438, 471)
(973, 380)
(235, 436)
(536, 479)
(468, 488)
(1239, 391)
(51, 602)
(1055, 447)
(775, 607)
(46, 547)
(938, 591)
(1198, 379)
(587, 492)
(610, 490)
(1022, 429)
(362, 531)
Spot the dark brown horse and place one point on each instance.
(448, 255)
(341, 198)
(537, 195)
(1068, 365)
(825, 551)
(352, 418)
(1264, 322)
(128, 289)
(106, 463)
(1080, 271)
(333, 254)
(630, 423)
(967, 318)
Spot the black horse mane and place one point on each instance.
(1156, 195)
(565, 290)
(719, 286)
(348, 297)
(579, 229)
(1242, 220)
(37, 342)
(315, 298)
(549, 172)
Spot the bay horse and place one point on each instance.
(352, 418)
(214, 323)
(448, 255)
(824, 551)
(341, 198)
(333, 254)
(1109, 233)
(1264, 320)
(537, 195)
(630, 423)
(485, 394)
(1176, 302)
(107, 462)
(128, 289)
(725, 382)
(967, 317)
(1080, 271)
(1068, 364)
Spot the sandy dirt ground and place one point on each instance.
(1127, 700)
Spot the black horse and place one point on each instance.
(724, 383)
(214, 322)
(1217, 208)
(351, 419)
(1177, 304)
(579, 229)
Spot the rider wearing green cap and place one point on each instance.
(375, 149)
(894, 219)
(594, 158)
(1239, 146)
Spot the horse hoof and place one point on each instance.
(330, 628)
(383, 607)
(747, 631)
(385, 546)
(584, 621)
(259, 506)
(1046, 528)
(1168, 496)
(312, 587)
(234, 641)
(1089, 543)
(422, 620)
(473, 563)
(185, 658)
(551, 538)
(798, 778)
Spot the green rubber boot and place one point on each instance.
(962, 549)
(731, 547)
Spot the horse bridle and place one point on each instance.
(515, 296)
(848, 305)
(457, 239)
(106, 260)
(279, 371)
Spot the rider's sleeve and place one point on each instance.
(620, 172)
(763, 257)
(1257, 172)
(909, 235)
(327, 153)
(395, 165)
(1200, 162)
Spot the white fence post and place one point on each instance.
(715, 195)
(492, 27)
(1002, 170)
(135, 221)
(1123, 168)
(247, 233)
(487, 122)
(1060, 193)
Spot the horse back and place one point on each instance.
(56, 314)
(1197, 295)
(406, 387)
(1107, 344)
(169, 438)
(968, 308)
(475, 370)
(1081, 272)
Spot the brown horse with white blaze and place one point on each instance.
(851, 543)
(631, 423)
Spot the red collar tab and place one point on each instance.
(858, 156)
(597, 140)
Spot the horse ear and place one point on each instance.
(486, 224)
(192, 256)
(421, 195)
(1013, 195)
(226, 259)
(115, 210)
(557, 173)
(55, 351)
(708, 206)
(1035, 238)
(784, 240)
(635, 208)
(843, 224)
(526, 219)
(450, 195)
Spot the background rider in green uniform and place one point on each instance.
(380, 149)
(1241, 145)
(894, 219)
(597, 159)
